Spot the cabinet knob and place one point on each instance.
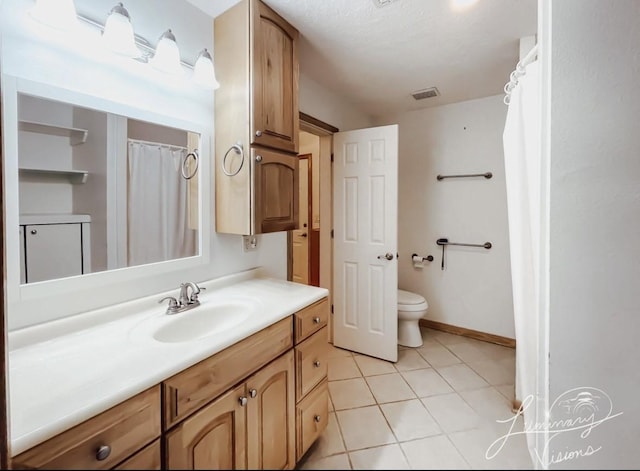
(103, 452)
(258, 133)
(316, 418)
(243, 401)
(253, 393)
(258, 158)
(34, 232)
(316, 320)
(316, 363)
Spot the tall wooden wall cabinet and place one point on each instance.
(256, 120)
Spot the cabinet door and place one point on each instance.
(274, 80)
(213, 438)
(271, 416)
(53, 251)
(276, 191)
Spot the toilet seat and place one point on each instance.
(411, 302)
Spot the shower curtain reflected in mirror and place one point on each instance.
(157, 215)
(521, 141)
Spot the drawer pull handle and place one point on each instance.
(316, 418)
(243, 401)
(316, 364)
(253, 393)
(316, 320)
(103, 452)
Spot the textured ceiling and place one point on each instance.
(376, 56)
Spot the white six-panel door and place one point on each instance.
(365, 216)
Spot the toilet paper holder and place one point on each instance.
(428, 258)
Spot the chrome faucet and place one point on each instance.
(185, 300)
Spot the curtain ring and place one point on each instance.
(238, 150)
(183, 170)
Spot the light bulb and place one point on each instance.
(167, 55)
(118, 32)
(204, 73)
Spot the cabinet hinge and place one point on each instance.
(332, 309)
(332, 233)
(331, 156)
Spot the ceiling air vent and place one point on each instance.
(427, 93)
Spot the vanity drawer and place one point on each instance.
(312, 414)
(191, 389)
(311, 319)
(311, 362)
(119, 432)
(147, 458)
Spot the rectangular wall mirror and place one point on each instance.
(101, 191)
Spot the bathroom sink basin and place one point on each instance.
(203, 321)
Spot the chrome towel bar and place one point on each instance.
(486, 245)
(486, 175)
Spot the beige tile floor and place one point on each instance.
(435, 408)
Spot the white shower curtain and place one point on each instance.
(521, 141)
(157, 226)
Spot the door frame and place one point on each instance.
(325, 132)
(308, 158)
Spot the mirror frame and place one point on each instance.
(60, 296)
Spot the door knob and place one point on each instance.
(388, 256)
(258, 158)
(316, 364)
(304, 234)
(258, 133)
(253, 393)
(243, 401)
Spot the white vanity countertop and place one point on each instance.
(63, 374)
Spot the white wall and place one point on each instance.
(325, 105)
(594, 302)
(474, 289)
(83, 67)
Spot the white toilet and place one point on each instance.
(411, 308)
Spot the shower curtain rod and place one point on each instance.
(519, 72)
(151, 143)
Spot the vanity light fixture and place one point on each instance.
(118, 32)
(204, 73)
(167, 55)
(118, 36)
(59, 14)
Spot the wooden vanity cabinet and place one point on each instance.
(104, 441)
(256, 110)
(249, 427)
(312, 392)
(150, 457)
(258, 404)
